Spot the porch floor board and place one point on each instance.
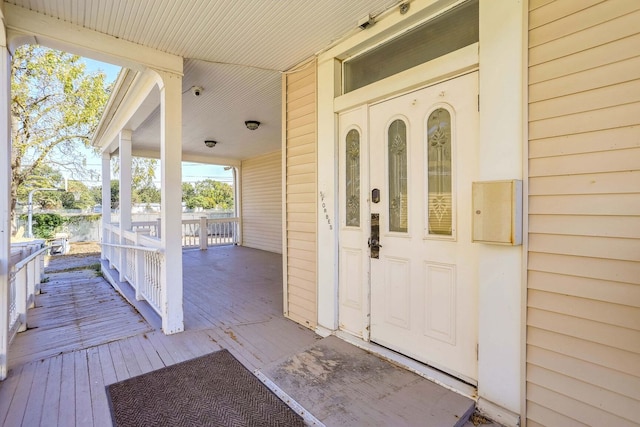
(232, 300)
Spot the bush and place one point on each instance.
(45, 225)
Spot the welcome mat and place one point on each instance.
(212, 390)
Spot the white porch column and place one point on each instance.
(171, 193)
(124, 150)
(5, 197)
(106, 201)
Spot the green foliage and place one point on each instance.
(208, 194)
(45, 225)
(55, 108)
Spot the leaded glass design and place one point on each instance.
(352, 166)
(397, 155)
(439, 172)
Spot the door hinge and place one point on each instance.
(478, 102)
(477, 351)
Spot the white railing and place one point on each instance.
(204, 232)
(26, 272)
(138, 258)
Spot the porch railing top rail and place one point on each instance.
(20, 264)
(141, 248)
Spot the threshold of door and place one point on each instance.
(432, 374)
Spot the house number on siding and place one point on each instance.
(324, 209)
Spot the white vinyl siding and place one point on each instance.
(262, 202)
(583, 317)
(300, 198)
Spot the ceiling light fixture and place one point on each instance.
(252, 124)
(210, 143)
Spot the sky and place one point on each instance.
(191, 172)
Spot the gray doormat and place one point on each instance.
(212, 390)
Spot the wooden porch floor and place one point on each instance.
(57, 376)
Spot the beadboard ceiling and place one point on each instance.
(234, 49)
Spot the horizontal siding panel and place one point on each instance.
(302, 255)
(301, 188)
(301, 150)
(613, 403)
(535, 4)
(298, 198)
(304, 159)
(303, 111)
(609, 53)
(606, 75)
(262, 202)
(301, 74)
(609, 118)
(303, 264)
(301, 227)
(615, 29)
(307, 275)
(607, 96)
(603, 355)
(600, 204)
(586, 246)
(305, 304)
(302, 179)
(298, 106)
(599, 311)
(307, 139)
(301, 121)
(301, 235)
(302, 284)
(581, 20)
(301, 92)
(590, 373)
(304, 245)
(302, 317)
(622, 338)
(555, 10)
(583, 413)
(302, 82)
(539, 416)
(301, 217)
(301, 207)
(301, 169)
(309, 129)
(575, 225)
(581, 287)
(592, 142)
(592, 183)
(302, 293)
(595, 268)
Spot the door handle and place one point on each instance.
(374, 240)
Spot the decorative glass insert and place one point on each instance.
(352, 174)
(397, 154)
(448, 32)
(439, 172)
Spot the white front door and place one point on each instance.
(406, 164)
(423, 157)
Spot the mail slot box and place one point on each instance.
(497, 212)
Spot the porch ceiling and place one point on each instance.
(235, 50)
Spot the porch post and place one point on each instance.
(5, 197)
(106, 202)
(171, 193)
(124, 149)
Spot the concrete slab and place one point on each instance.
(341, 385)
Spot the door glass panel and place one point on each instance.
(397, 154)
(439, 172)
(352, 165)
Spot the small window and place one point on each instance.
(453, 30)
(352, 174)
(397, 156)
(440, 209)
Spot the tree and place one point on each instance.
(209, 194)
(55, 109)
